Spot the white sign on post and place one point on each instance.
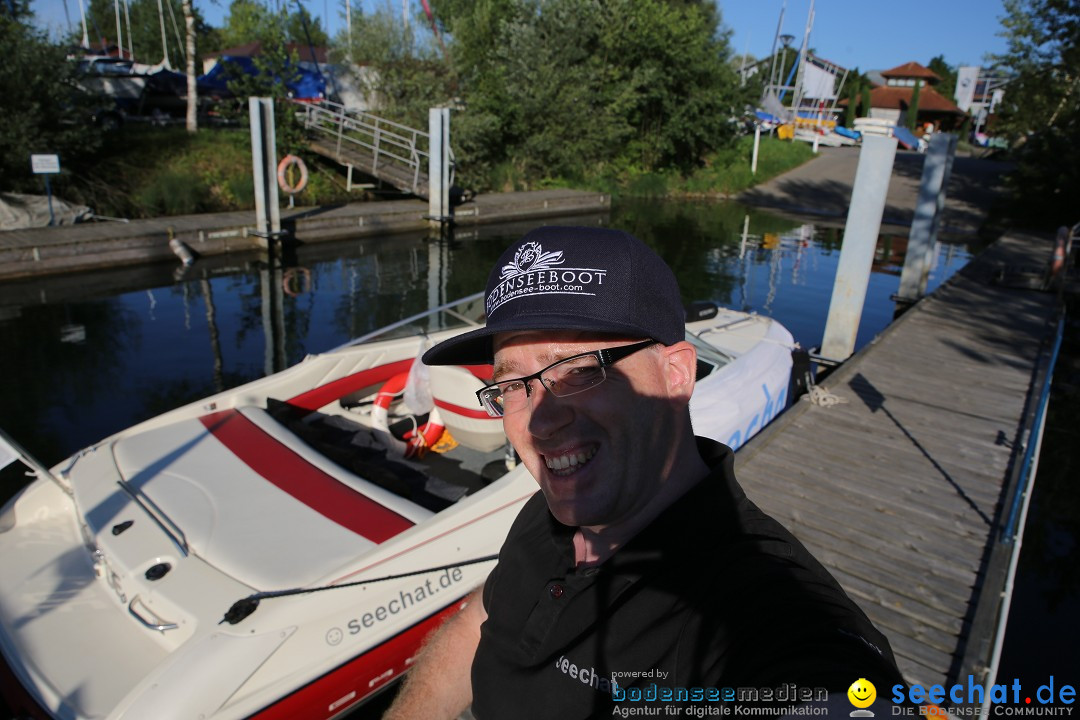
(45, 164)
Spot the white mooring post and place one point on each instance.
(857, 251)
(928, 208)
(264, 167)
(439, 166)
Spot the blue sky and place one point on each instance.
(872, 34)
(868, 34)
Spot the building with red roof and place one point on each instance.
(892, 100)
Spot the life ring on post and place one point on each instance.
(296, 281)
(282, 171)
(415, 443)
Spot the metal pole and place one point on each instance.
(438, 165)
(936, 225)
(920, 239)
(48, 191)
(757, 142)
(857, 251)
(264, 166)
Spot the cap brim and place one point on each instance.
(471, 348)
(476, 346)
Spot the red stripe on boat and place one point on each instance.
(325, 394)
(288, 471)
(466, 412)
(359, 678)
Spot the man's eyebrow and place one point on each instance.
(508, 368)
(503, 368)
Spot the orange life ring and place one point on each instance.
(415, 443)
(294, 284)
(282, 169)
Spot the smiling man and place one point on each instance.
(640, 574)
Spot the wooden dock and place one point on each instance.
(901, 487)
(97, 245)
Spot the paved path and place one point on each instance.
(822, 187)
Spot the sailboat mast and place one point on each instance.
(85, 35)
(776, 39)
(164, 44)
(797, 99)
(119, 33)
(127, 24)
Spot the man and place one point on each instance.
(641, 575)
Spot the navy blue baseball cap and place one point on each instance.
(573, 278)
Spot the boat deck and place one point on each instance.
(900, 487)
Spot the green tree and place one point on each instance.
(251, 21)
(49, 113)
(578, 89)
(947, 87)
(1041, 106)
(410, 75)
(858, 97)
(911, 116)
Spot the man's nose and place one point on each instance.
(547, 413)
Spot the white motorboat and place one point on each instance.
(141, 574)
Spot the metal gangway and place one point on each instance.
(391, 152)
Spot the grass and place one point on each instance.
(724, 174)
(154, 172)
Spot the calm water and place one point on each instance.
(86, 356)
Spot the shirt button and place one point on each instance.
(555, 590)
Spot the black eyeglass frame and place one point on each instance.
(605, 356)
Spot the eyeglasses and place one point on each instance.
(566, 377)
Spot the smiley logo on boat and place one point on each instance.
(862, 694)
(334, 636)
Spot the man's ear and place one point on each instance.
(680, 365)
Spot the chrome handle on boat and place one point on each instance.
(158, 623)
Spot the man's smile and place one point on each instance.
(567, 463)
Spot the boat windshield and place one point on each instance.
(709, 358)
(459, 314)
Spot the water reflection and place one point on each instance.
(88, 355)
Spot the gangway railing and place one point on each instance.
(390, 151)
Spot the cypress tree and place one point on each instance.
(912, 120)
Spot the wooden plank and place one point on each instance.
(897, 490)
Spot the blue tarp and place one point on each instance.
(905, 138)
(306, 85)
(853, 134)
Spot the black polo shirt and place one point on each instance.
(713, 597)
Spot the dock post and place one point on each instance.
(924, 226)
(438, 166)
(857, 250)
(264, 167)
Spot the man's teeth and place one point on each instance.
(564, 462)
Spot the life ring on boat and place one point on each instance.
(296, 281)
(282, 171)
(416, 442)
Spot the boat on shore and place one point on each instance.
(281, 549)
